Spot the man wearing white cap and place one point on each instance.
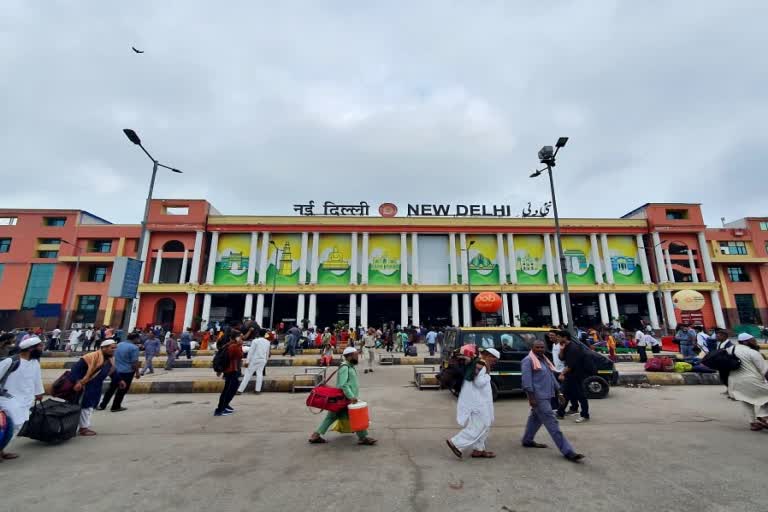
(21, 385)
(474, 411)
(347, 382)
(748, 384)
(88, 376)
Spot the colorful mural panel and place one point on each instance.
(579, 265)
(335, 256)
(622, 255)
(483, 262)
(384, 260)
(232, 259)
(288, 258)
(530, 264)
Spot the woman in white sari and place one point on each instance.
(748, 384)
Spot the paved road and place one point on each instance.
(661, 449)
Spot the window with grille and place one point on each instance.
(87, 308)
(54, 221)
(738, 274)
(48, 254)
(97, 274)
(101, 246)
(38, 284)
(5, 244)
(733, 248)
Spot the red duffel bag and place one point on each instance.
(660, 364)
(327, 398)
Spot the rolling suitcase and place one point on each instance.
(411, 352)
(52, 421)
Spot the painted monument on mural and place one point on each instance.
(579, 260)
(622, 254)
(335, 256)
(384, 260)
(482, 258)
(530, 263)
(232, 259)
(287, 256)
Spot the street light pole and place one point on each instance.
(75, 280)
(274, 285)
(134, 138)
(547, 157)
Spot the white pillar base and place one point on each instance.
(300, 308)
(189, 311)
(516, 309)
(670, 308)
(605, 319)
(415, 309)
(614, 305)
(717, 309)
(467, 312)
(352, 311)
(564, 310)
(455, 310)
(364, 310)
(505, 308)
(206, 310)
(248, 308)
(653, 316)
(554, 310)
(134, 313)
(403, 309)
(312, 314)
(259, 316)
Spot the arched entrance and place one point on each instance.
(165, 311)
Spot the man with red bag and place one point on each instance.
(346, 380)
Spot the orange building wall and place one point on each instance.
(148, 305)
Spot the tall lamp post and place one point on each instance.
(274, 285)
(133, 137)
(75, 280)
(547, 156)
(469, 279)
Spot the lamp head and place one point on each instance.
(561, 142)
(471, 243)
(132, 136)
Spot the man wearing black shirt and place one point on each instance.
(577, 367)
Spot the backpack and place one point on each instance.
(722, 360)
(15, 362)
(221, 359)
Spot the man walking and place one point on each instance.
(53, 344)
(431, 341)
(686, 341)
(234, 356)
(186, 343)
(369, 343)
(540, 384)
(88, 376)
(21, 383)
(346, 380)
(577, 367)
(171, 350)
(748, 384)
(258, 355)
(151, 349)
(126, 369)
(474, 411)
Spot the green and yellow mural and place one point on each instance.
(335, 253)
(530, 263)
(288, 258)
(579, 266)
(384, 260)
(232, 259)
(483, 259)
(622, 254)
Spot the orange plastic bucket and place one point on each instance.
(358, 416)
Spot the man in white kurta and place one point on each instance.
(748, 383)
(258, 355)
(474, 411)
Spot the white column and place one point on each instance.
(264, 259)
(548, 260)
(251, 274)
(501, 258)
(353, 263)
(415, 257)
(516, 309)
(467, 311)
(312, 314)
(464, 258)
(709, 272)
(554, 310)
(415, 313)
(670, 308)
(403, 258)
(563, 309)
(184, 263)
(596, 263)
(556, 266)
(206, 315)
(643, 261)
(670, 274)
(692, 264)
(512, 258)
(717, 309)
(505, 309)
(606, 259)
(364, 310)
(212, 257)
(134, 312)
(661, 268)
(194, 277)
(158, 264)
(259, 315)
(189, 311)
(403, 309)
(614, 305)
(652, 314)
(352, 311)
(452, 256)
(300, 308)
(455, 320)
(303, 258)
(315, 264)
(364, 263)
(248, 307)
(144, 253)
(604, 316)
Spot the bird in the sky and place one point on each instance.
(135, 50)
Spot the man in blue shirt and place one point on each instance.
(186, 343)
(126, 369)
(431, 341)
(540, 385)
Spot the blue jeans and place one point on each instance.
(543, 414)
(687, 350)
(431, 348)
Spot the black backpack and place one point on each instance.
(221, 359)
(722, 360)
(15, 362)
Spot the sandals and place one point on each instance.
(483, 455)
(317, 440)
(9, 456)
(453, 448)
(756, 426)
(533, 444)
(367, 442)
(86, 432)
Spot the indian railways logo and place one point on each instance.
(387, 210)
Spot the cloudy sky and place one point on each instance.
(267, 104)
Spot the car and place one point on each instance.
(514, 343)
